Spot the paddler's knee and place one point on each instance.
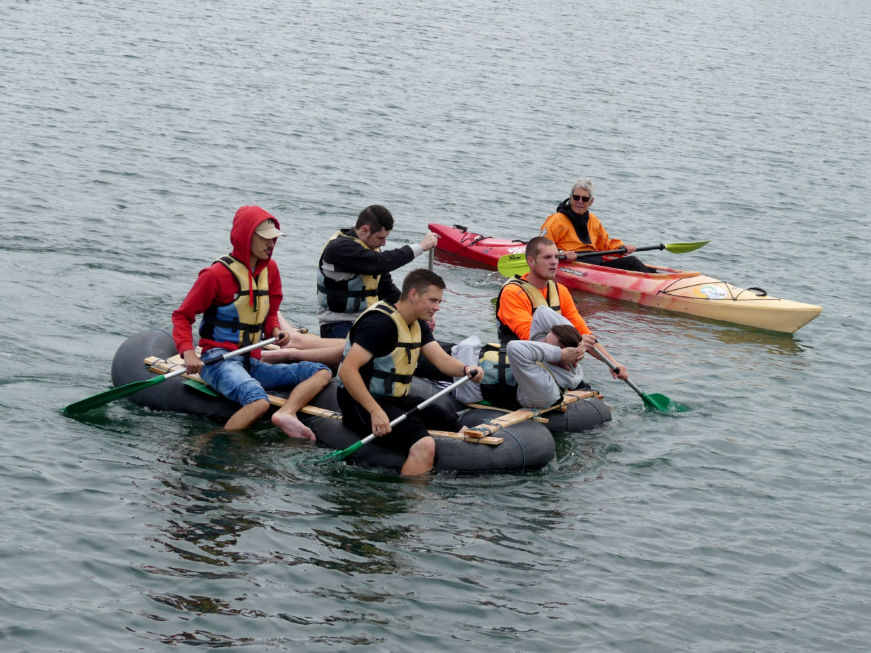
(260, 406)
(323, 377)
(421, 457)
(426, 447)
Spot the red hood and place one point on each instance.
(244, 223)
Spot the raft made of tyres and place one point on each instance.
(520, 442)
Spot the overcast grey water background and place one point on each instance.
(131, 132)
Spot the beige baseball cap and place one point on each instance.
(268, 230)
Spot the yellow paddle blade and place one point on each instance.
(512, 264)
(683, 248)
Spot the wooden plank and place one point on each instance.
(521, 415)
(318, 412)
(331, 414)
(572, 395)
(462, 436)
(583, 394)
(540, 420)
(164, 365)
(161, 366)
(486, 407)
(501, 422)
(509, 418)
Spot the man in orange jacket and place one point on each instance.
(574, 229)
(520, 297)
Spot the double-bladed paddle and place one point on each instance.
(341, 454)
(655, 401)
(103, 398)
(512, 264)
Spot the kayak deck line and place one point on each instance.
(733, 296)
(658, 271)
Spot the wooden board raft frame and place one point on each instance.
(481, 434)
(164, 365)
(511, 417)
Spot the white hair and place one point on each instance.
(583, 182)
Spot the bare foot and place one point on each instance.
(292, 427)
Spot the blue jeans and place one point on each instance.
(231, 379)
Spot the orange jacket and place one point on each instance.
(515, 309)
(562, 232)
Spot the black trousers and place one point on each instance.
(621, 263)
(408, 431)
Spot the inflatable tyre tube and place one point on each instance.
(128, 366)
(580, 415)
(528, 445)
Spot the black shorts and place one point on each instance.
(403, 435)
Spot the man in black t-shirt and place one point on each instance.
(381, 354)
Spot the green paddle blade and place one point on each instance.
(512, 264)
(341, 454)
(202, 387)
(104, 398)
(653, 401)
(116, 393)
(683, 248)
(662, 403)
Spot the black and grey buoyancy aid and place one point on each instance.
(498, 385)
(346, 292)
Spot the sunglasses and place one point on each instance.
(581, 198)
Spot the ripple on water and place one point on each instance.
(737, 526)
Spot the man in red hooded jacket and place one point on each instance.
(239, 296)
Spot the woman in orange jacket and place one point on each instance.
(574, 229)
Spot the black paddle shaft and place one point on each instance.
(621, 250)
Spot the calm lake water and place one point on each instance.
(133, 131)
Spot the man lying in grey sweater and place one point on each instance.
(542, 367)
(550, 363)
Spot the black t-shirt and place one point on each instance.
(376, 333)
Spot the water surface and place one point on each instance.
(133, 132)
